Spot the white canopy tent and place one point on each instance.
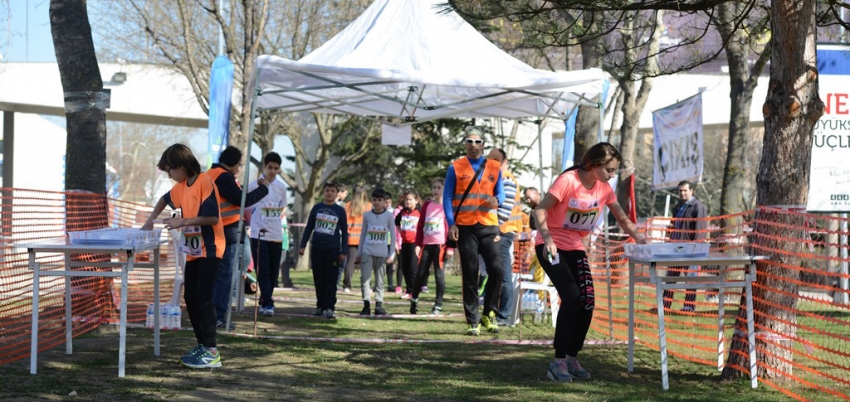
(409, 61)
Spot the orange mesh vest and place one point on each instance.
(475, 208)
(514, 223)
(229, 212)
(355, 224)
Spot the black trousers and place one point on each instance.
(408, 262)
(325, 265)
(198, 294)
(473, 240)
(575, 314)
(431, 254)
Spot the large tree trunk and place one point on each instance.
(743, 83)
(790, 111)
(85, 100)
(587, 121)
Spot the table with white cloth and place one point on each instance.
(116, 268)
(714, 281)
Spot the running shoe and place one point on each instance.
(406, 296)
(329, 314)
(347, 290)
(414, 308)
(197, 349)
(398, 290)
(379, 310)
(576, 371)
(318, 312)
(221, 325)
(267, 311)
(489, 323)
(473, 330)
(424, 289)
(558, 372)
(365, 311)
(208, 358)
(688, 309)
(437, 310)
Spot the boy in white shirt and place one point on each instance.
(266, 233)
(372, 253)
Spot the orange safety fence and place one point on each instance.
(28, 216)
(802, 315)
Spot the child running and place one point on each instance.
(328, 228)
(203, 242)
(431, 247)
(372, 253)
(406, 222)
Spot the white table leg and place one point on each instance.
(721, 315)
(122, 321)
(630, 362)
(69, 323)
(662, 332)
(751, 334)
(35, 296)
(156, 302)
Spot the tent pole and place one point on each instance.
(236, 281)
(540, 152)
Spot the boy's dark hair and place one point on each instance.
(177, 156)
(331, 184)
(379, 193)
(685, 183)
(272, 157)
(341, 187)
(231, 156)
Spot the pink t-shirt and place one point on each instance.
(432, 226)
(577, 211)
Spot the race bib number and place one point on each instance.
(376, 235)
(433, 227)
(581, 214)
(271, 213)
(408, 223)
(326, 224)
(191, 242)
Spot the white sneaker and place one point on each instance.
(267, 312)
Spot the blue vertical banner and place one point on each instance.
(221, 93)
(569, 156)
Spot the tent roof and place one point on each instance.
(411, 60)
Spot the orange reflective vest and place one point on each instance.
(355, 224)
(514, 223)
(475, 208)
(229, 212)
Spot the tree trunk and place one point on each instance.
(790, 112)
(85, 99)
(743, 82)
(587, 121)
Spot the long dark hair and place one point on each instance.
(598, 155)
(177, 156)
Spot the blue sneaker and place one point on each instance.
(208, 358)
(576, 371)
(558, 372)
(197, 349)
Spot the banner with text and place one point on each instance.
(678, 156)
(829, 182)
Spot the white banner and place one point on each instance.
(395, 135)
(678, 143)
(829, 182)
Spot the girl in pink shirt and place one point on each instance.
(431, 247)
(567, 213)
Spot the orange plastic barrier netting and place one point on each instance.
(802, 320)
(28, 216)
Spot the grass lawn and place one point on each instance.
(277, 367)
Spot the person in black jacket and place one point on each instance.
(689, 225)
(223, 175)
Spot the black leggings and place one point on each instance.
(431, 254)
(408, 263)
(576, 311)
(199, 283)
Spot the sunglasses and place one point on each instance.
(471, 141)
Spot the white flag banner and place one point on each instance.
(678, 152)
(829, 182)
(395, 135)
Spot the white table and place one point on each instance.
(718, 281)
(120, 269)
